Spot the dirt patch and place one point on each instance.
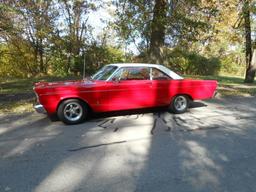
(16, 97)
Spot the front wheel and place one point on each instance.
(72, 111)
(179, 104)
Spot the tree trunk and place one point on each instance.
(35, 56)
(68, 63)
(250, 71)
(41, 61)
(158, 28)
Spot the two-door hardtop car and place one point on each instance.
(121, 87)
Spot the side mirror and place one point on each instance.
(115, 79)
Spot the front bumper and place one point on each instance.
(39, 108)
(215, 94)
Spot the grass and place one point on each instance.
(16, 94)
(221, 79)
(25, 85)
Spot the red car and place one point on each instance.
(121, 87)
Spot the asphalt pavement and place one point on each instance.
(209, 148)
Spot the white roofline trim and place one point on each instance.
(162, 68)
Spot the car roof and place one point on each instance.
(166, 70)
(133, 64)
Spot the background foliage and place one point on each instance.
(191, 37)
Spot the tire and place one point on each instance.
(72, 111)
(179, 104)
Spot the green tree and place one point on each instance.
(30, 25)
(250, 51)
(76, 16)
(162, 23)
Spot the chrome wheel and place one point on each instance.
(180, 103)
(73, 111)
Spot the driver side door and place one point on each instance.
(130, 88)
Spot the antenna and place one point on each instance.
(84, 66)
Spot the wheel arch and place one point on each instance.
(78, 98)
(185, 94)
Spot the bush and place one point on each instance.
(232, 64)
(191, 63)
(94, 57)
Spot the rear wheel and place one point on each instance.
(179, 104)
(72, 111)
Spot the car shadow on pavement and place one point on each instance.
(193, 104)
(197, 104)
(128, 112)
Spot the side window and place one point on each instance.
(133, 73)
(117, 75)
(159, 75)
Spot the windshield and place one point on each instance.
(104, 73)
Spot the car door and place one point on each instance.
(161, 87)
(131, 88)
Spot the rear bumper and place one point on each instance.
(215, 94)
(39, 108)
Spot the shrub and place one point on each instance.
(191, 63)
